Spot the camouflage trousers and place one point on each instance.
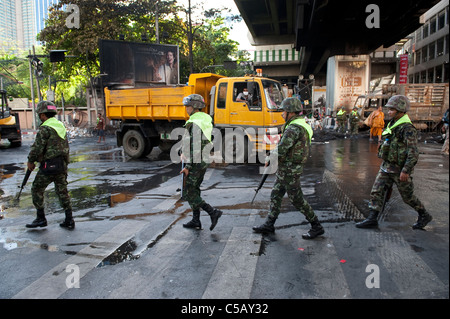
(41, 182)
(191, 189)
(341, 126)
(288, 180)
(383, 182)
(354, 128)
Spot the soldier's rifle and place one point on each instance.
(387, 196)
(261, 183)
(183, 179)
(24, 182)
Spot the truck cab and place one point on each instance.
(258, 119)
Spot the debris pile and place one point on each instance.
(74, 131)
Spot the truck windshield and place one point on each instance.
(273, 93)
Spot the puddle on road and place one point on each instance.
(121, 254)
(127, 251)
(109, 195)
(103, 193)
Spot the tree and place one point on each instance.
(201, 44)
(9, 67)
(209, 20)
(99, 19)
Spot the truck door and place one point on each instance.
(246, 110)
(221, 112)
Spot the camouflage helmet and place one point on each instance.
(292, 105)
(398, 102)
(195, 100)
(46, 107)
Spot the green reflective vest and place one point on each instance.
(404, 119)
(302, 122)
(57, 126)
(204, 121)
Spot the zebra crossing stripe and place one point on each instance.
(234, 273)
(399, 260)
(53, 283)
(330, 282)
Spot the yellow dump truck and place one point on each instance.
(9, 122)
(149, 115)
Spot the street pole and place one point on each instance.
(37, 81)
(33, 105)
(157, 22)
(62, 104)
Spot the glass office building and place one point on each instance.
(41, 12)
(20, 22)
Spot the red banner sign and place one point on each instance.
(403, 79)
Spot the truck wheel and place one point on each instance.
(16, 144)
(148, 148)
(134, 144)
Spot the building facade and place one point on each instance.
(428, 47)
(41, 8)
(20, 22)
(280, 62)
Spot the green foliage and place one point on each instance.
(134, 19)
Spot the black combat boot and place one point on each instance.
(370, 222)
(40, 220)
(68, 223)
(214, 213)
(423, 220)
(267, 227)
(316, 230)
(195, 222)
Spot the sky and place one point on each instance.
(239, 31)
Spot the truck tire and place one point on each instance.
(16, 144)
(134, 144)
(148, 148)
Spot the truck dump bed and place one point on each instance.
(427, 101)
(163, 103)
(157, 103)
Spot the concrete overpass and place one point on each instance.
(319, 29)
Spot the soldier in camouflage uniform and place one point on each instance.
(197, 137)
(51, 150)
(400, 154)
(354, 121)
(341, 118)
(291, 154)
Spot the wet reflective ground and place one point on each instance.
(99, 176)
(129, 231)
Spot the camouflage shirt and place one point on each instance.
(193, 145)
(48, 144)
(293, 148)
(354, 117)
(403, 152)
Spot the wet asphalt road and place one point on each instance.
(129, 241)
